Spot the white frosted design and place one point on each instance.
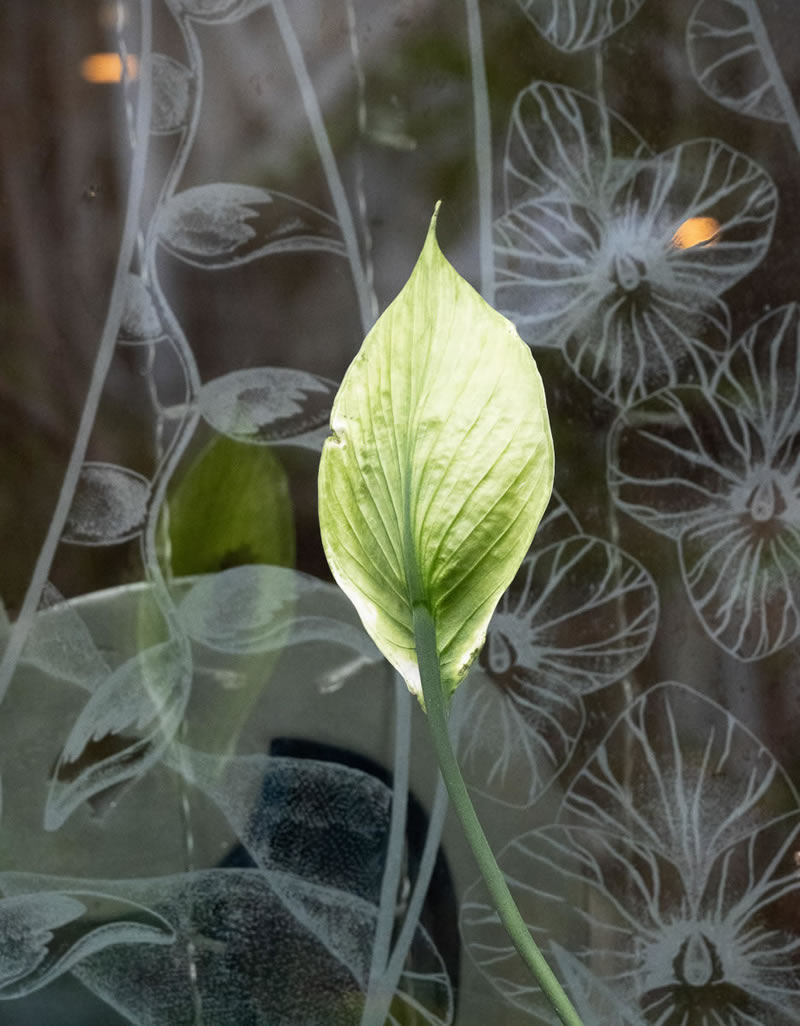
(580, 615)
(558, 522)
(140, 323)
(222, 225)
(251, 937)
(683, 775)
(517, 737)
(592, 260)
(216, 11)
(327, 821)
(269, 406)
(172, 85)
(674, 897)
(252, 609)
(123, 729)
(732, 58)
(109, 505)
(61, 645)
(562, 142)
(718, 470)
(44, 935)
(573, 25)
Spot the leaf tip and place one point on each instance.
(432, 226)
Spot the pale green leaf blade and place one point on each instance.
(438, 470)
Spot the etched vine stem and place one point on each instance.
(27, 613)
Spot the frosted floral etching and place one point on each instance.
(725, 486)
(687, 875)
(598, 268)
(617, 177)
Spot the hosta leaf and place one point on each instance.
(439, 468)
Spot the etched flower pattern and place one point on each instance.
(671, 878)
(718, 470)
(580, 614)
(621, 261)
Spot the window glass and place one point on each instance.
(220, 803)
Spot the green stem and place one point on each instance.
(428, 659)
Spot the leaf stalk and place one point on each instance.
(436, 709)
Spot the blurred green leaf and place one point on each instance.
(231, 508)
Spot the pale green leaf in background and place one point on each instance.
(438, 470)
(232, 507)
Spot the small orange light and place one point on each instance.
(697, 231)
(107, 67)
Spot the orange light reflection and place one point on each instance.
(697, 231)
(107, 67)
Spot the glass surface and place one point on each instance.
(219, 803)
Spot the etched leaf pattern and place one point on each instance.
(124, 728)
(654, 851)
(223, 225)
(44, 935)
(109, 506)
(172, 85)
(269, 406)
(256, 609)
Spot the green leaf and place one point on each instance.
(439, 468)
(231, 508)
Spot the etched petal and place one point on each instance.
(681, 775)
(517, 735)
(563, 145)
(676, 460)
(742, 576)
(573, 25)
(546, 259)
(634, 342)
(733, 61)
(583, 891)
(704, 183)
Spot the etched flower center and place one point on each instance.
(628, 271)
(766, 500)
(697, 963)
(509, 644)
